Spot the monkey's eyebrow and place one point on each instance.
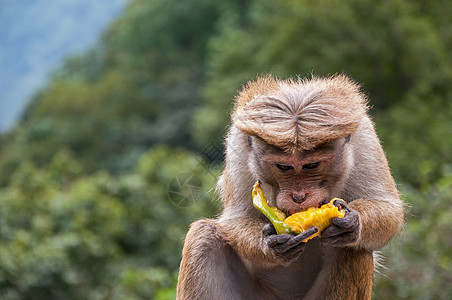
(319, 154)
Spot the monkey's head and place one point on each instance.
(298, 134)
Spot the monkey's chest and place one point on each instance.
(295, 280)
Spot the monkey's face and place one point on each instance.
(302, 179)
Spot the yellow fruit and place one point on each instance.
(272, 213)
(281, 215)
(320, 217)
(298, 222)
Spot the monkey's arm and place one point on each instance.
(371, 194)
(380, 220)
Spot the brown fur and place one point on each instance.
(230, 258)
(330, 109)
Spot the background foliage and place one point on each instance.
(85, 208)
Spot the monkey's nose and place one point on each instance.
(298, 197)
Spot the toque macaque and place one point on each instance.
(307, 141)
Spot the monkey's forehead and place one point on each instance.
(301, 114)
(294, 137)
(336, 86)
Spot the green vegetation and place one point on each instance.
(86, 177)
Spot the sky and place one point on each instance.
(36, 35)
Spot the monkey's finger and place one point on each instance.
(293, 252)
(277, 239)
(295, 243)
(341, 204)
(334, 241)
(351, 220)
(340, 235)
(299, 238)
(311, 231)
(268, 229)
(334, 231)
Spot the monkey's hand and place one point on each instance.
(285, 247)
(343, 231)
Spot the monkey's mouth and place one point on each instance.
(290, 211)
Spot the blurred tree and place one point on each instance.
(418, 263)
(99, 122)
(89, 66)
(392, 48)
(68, 237)
(138, 87)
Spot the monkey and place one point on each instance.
(307, 141)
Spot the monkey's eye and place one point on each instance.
(311, 165)
(283, 167)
